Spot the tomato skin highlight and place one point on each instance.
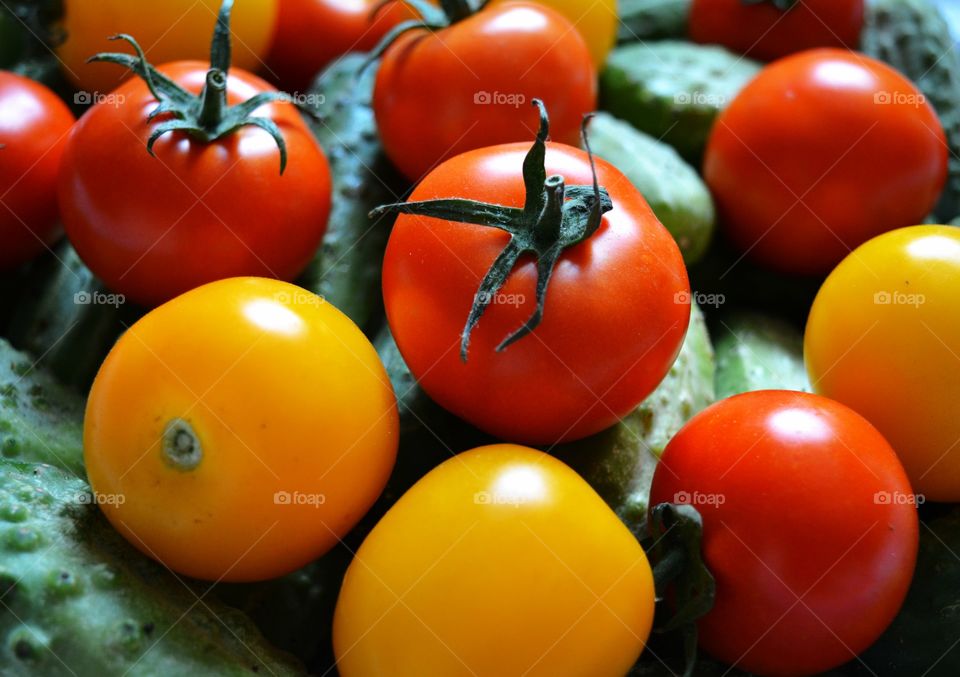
(156, 227)
(820, 152)
(882, 338)
(791, 487)
(520, 554)
(34, 125)
(616, 311)
(313, 33)
(764, 32)
(470, 85)
(287, 398)
(172, 30)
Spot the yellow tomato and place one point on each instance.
(501, 561)
(237, 431)
(595, 21)
(168, 30)
(884, 338)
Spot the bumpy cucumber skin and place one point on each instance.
(79, 600)
(674, 190)
(673, 90)
(922, 640)
(913, 37)
(68, 318)
(619, 462)
(40, 421)
(346, 270)
(652, 19)
(758, 352)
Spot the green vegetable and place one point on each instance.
(78, 600)
(652, 19)
(913, 37)
(757, 352)
(619, 462)
(68, 318)
(346, 269)
(673, 188)
(923, 637)
(40, 421)
(673, 90)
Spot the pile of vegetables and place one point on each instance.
(514, 337)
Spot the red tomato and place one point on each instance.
(617, 306)
(764, 31)
(34, 124)
(155, 227)
(820, 152)
(312, 33)
(469, 86)
(809, 528)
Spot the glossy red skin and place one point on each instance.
(799, 474)
(34, 124)
(424, 97)
(809, 126)
(616, 312)
(137, 221)
(764, 32)
(312, 33)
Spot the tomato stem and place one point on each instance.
(213, 100)
(554, 218)
(181, 445)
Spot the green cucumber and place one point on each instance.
(758, 352)
(40, 421)
(913, 36)
(674, 190)
(673, 90)
(619, 462)
(79, 600)
(346, 269)
(652, 19)
(922, 640)
(68, 318)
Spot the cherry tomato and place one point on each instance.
(809, 528)
(523, 570)
(616, 310)
(238, 431)
(172, 30)
(595, 21)
(34, 125)
(155, 227)
(312, 33)
(883, 337)
(488, 68)
(766, 31)
(819, 153)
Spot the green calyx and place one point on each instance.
(554, 218)
(685, 587)
(782, 5)
(431, 18)
(205, 117)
